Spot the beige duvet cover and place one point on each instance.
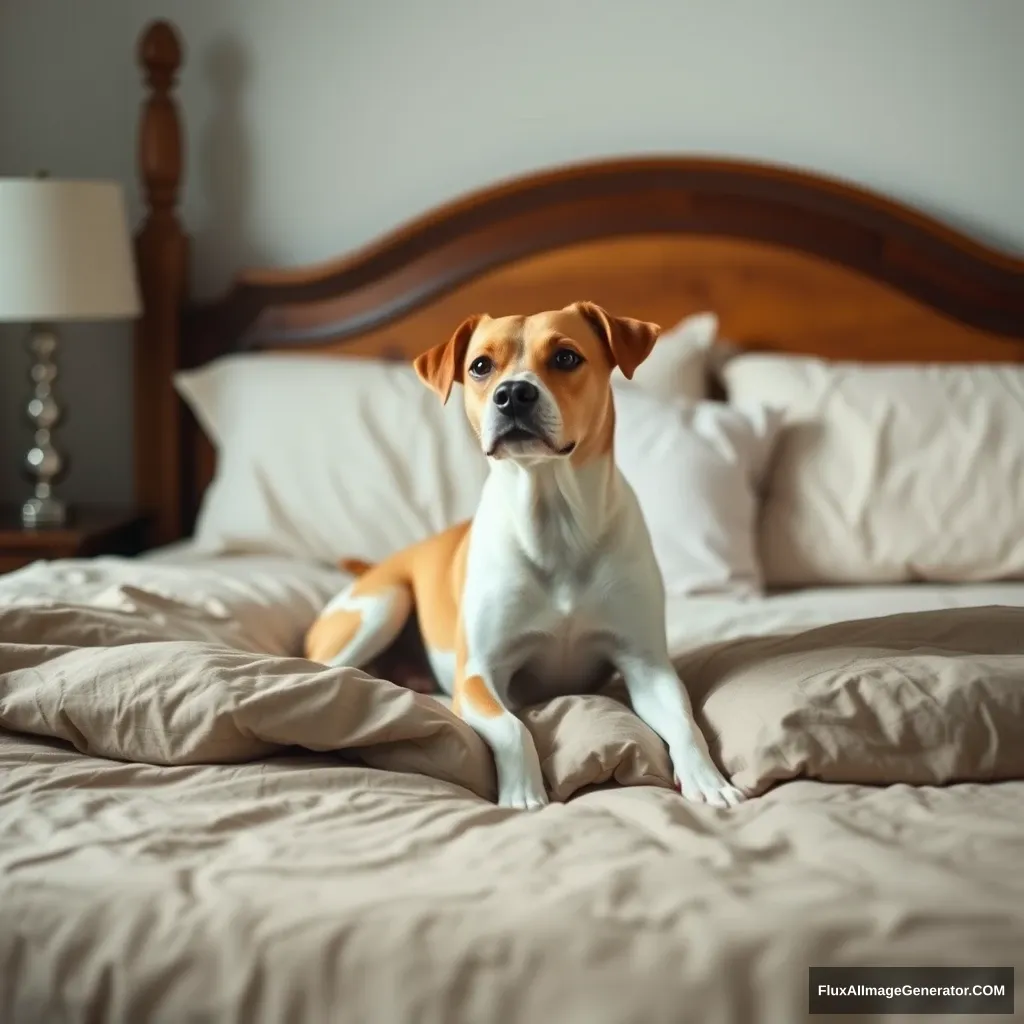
(197, 826)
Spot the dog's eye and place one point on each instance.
(481, 366)
(566, 359)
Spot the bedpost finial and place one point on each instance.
(160, 136)
(160, 54)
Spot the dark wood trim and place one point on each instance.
(90, 530)
(161, 250)
(412, 267)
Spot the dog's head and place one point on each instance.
(539, 387)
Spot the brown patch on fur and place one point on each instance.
(473, 690)
(438, 575)
(434, 570)
(354, 566)
(330, 633)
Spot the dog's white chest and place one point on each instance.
(561, 638)
(550, 595)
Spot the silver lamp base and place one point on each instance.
(40, 512)
(43, 462)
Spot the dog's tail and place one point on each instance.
(355, 566)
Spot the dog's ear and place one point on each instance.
(629, 341)
(441, 367)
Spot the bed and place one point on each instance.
(198, 824)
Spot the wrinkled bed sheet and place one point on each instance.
(315, 845)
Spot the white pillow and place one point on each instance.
(889, 473)
(325, 457)
(697, 468)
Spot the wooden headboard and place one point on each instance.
(789, 261)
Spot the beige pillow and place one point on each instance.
(889, 473)
(919, 698)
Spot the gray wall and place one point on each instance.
(313, 125)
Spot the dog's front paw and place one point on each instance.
(522, 795)
(700, 782)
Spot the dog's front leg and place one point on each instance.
(660, 700)
(520, 782)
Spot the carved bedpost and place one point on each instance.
(161, 248)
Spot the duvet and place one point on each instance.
(196, 825)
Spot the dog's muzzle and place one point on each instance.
(518, 406)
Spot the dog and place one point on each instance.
(553, 584)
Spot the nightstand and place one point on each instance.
(90, 530)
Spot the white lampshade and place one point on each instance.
(65, 251)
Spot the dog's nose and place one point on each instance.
(515, 396)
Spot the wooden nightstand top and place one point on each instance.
(90, 530)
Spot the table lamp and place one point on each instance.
(65, 254)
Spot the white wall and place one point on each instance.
(315, 124)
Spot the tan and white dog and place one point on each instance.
(553, 584)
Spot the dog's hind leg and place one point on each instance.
(359, 623)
